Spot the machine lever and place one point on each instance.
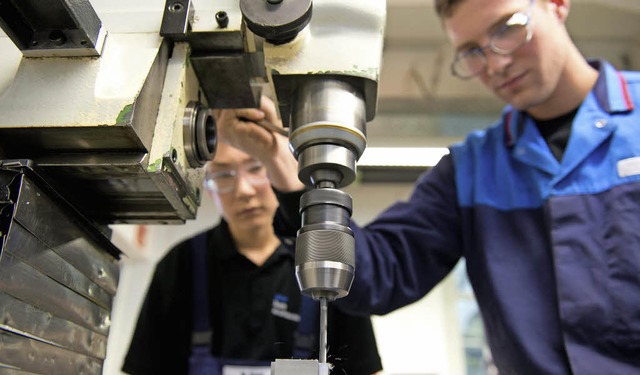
(269, 126)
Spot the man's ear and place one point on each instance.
(560, 8)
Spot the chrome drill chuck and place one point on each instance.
(325, 256)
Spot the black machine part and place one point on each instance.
(277, 21)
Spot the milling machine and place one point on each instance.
(105, 117)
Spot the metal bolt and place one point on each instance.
(57, 37)
(222, 19)
(176, 7)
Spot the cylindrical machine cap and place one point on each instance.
(276, 21)
(326, 196)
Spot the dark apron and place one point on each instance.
(201, 361)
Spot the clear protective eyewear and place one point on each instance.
(513, 34)
(226, 181)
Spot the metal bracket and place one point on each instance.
(53, 27)
(177, 19)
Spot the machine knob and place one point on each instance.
(276, 21)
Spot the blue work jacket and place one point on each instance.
(552, 248)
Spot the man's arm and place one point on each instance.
(237, 128)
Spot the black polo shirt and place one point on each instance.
(253, 313)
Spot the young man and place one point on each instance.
(544, 205)
(248, 308)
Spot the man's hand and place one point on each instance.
(237, 128)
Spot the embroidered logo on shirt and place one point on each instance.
(629, 167)
(279, 307)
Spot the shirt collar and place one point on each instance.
(222, 235)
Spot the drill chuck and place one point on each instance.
(325, 255)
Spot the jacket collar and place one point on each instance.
(611, 88)
(611, 93)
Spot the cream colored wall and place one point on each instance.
(419, 339)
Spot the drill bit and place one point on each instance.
(323, 330)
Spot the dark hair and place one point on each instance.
(444, 8)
